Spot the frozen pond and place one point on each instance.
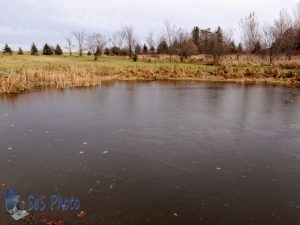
(162, 153)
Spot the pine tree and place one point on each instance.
(89, 53)
(58, 50)
(34, 50)
(232, 48)
(196, 37)
(47, 50)
(162, 47)
(152, 49)
(240, 48)
(20, 52)
(7, 50)
(145, 49)
(217, 45)
(219, 33)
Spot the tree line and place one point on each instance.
(282, 36)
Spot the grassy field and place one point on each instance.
(11, 63)
(24, 72)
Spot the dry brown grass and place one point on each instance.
(19, 73)
(61, 77)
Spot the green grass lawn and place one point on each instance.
(11, 63)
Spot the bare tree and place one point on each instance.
(270, 37)
(297, 16)
(170, 32)
(289, 42)
(128, 33)
(151, 40)
(80, 37)
(70, 45)
(250, 32)
(95, 43)
(183, 45)
(283, 23)
(117, 39)
(228, 40)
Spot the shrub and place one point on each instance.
(135, 58)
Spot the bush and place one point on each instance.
(248, 73)
(135, 58)
(290, 74)
(106, 51)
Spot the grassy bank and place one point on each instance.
(19, 73)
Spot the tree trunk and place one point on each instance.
(271, 56)
(181, 58)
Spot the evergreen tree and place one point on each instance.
(145, 49)
(20, 52)
(7, 50)
(58, 50)
(152, 49)
(196, 37)
(232, 48)
(89, 53)
(220, 38)
(239, 48)
(162, 47)
(217, 45)
(47, 50)
(34, 50)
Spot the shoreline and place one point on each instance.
(23, 77)
(17, 83)
(19, 89)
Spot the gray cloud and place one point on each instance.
(25, 21)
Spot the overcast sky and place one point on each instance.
(25, 21)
